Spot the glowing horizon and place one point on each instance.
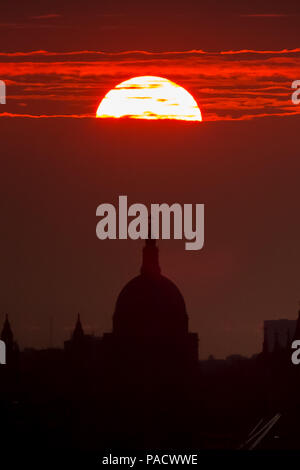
(149, 97)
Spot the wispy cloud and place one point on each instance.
(266, 15)
(49, 116)
(47, 16)
(239, 84)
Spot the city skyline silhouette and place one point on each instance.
(151, 357)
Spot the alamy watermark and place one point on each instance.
(296, 354)
(2, 352)
(296, 94)
(2, 92)
(113, 225)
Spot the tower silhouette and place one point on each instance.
(12, 349)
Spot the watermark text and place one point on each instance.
(2, 92)
(188, 222)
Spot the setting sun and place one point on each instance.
(149, 97)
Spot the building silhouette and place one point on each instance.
(150, 323)
(278, 333)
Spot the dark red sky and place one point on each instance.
(157, 26)
(56, 171)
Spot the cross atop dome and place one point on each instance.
(150, 265)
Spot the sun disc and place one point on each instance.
(149, 97)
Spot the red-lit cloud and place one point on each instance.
(227, 84)
(48, 16)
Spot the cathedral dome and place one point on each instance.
(150, 304)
